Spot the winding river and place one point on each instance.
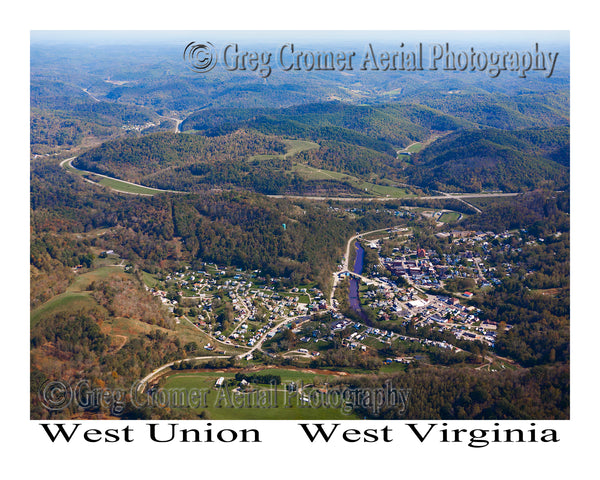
(353, 293)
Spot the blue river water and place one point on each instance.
(353, 293)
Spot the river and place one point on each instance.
(353, 291)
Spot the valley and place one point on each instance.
(293, 239)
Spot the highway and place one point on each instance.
(443, 196)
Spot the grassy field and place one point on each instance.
(150, 280)
(76, 295)
(297, 146)
(189, 333)
(415, 147)
(278, 407)
(113, 183)
(121, 186)
(83, 281)
(449, 217)
(65, 302)
(293, 147)
(311, 173)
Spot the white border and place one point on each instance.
(284, 455)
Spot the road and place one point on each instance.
(177, 123)
(94, 98)
(273, 330)
(345, 266)
(144, 381)
(442, 196)
(209, 335)
(445, 196)
(70, 164)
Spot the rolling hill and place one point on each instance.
(491, 159)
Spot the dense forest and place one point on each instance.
(244, 149)
(461, 394)
(379, 128)
(230, 228)
(494, 160)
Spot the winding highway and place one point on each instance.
(443, 196)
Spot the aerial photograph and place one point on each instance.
(299, 225)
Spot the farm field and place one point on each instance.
(218, 407)
(293, 147)
(76, 295)
(312, 173)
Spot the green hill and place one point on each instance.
(493, 159)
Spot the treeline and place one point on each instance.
(71, 348)
(139, 159)
(348, 158)
(541, 212)
(72, 102)
(259, 378)
(345, 358)
(379, 127)
(247, 231)
(502, 107)
(540, 332)
(51, 258)
(123, 297)
(76, 333)
(229, 228)
(540, 393)
(238, 160)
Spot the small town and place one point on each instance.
(247, 310)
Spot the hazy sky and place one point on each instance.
(166, 37)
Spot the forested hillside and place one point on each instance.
(493, 159)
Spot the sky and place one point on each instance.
(131, 37)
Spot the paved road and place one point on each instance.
(70, 164)
(345, 266)
(442, 196)
(264, 337)
(177, 123)
(86, 91)
(209, 335)
(144, 381)
(460, 196)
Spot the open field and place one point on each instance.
(293, 147)
(65, 302)
(83, 281)
(297, 146)
(76, 295)
(312, 173)
(415, 147)
(281, 406)
(189, 333)
(449, 217)
(149, 279)
(113, 183)
(125, 187)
